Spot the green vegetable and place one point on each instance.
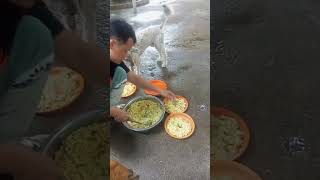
(145, 111)
(176, 105)
(179, 127)
(226, 138)
(83, 154)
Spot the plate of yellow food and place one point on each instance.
(229, 135)
(177, 105)
(129, 89)
(179, 125)
(62, 88)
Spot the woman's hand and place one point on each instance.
(119, 115)
(168, 94)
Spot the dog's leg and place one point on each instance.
(165, 57)
(163, 53)
(136, 69)
(134, 6)
(159, 58)
(157, 45)
(87, 15)
(136, 62)
(138, 66)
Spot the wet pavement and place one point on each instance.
(155, 155)
(266, 69)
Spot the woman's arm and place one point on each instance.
(140, 82)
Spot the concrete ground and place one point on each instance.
(267, 70)
(157, 156)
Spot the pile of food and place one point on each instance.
(179, 127)
(83, 154)
(176, 105)
(147, 112)
(128, 89)
(226, 138)
(63, 86)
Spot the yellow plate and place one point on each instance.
(55, 72)
(166, 101)
(129, 88)
(186, 118)
(160, 84)
(219, 111)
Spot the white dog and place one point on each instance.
(152, 36)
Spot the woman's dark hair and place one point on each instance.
(121, 30)
(10, 15)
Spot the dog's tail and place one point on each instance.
(167, 12)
